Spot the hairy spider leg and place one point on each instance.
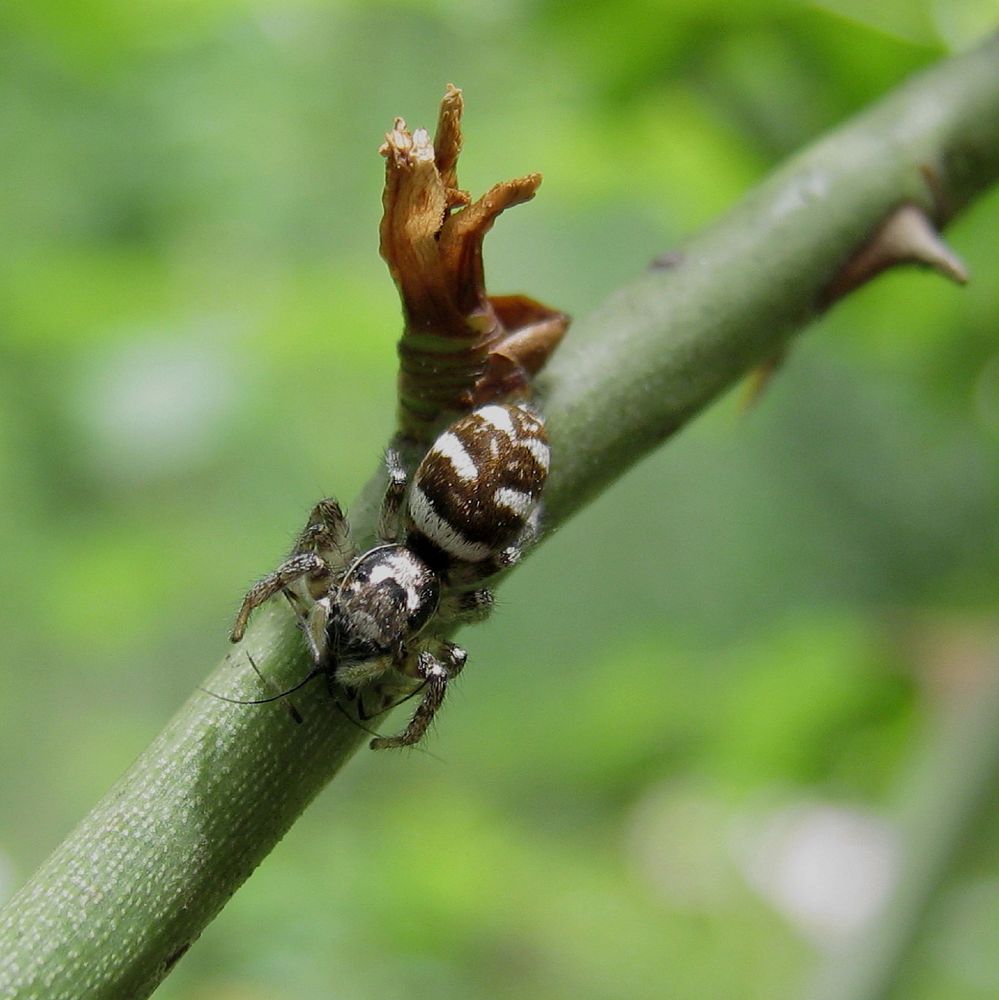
(289, 572)
(323, 545)
(466, 607)
(437, 675)
(390, 514)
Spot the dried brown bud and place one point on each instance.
(459, 348)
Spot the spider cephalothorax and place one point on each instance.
(469, 511)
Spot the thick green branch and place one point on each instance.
(636, 370)
(141, 876)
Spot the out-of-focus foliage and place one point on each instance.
(671, 765)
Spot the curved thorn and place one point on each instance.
(910, 235)
(907, 236)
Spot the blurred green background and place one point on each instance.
(677, 763)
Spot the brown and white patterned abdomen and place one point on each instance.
(480, 481)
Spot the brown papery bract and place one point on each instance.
(460, 348)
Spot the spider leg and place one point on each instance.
(289, 572)
(467, 574)
(437, 673)
(326, 532)
(312, 620)
(298, 605)
(466, 607)
(385, 704)
(323, 546)
(389, 517)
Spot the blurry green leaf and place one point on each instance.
(963, 23)
(908, 19)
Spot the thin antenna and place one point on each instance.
(269, 681)
(312, 675)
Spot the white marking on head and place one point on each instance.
(400, 567)
(427, 520)
(541, 452)
(381, 573)
(449, 446)
(513, 500)
(498, 417)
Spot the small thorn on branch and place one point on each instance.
(907, 236)
(758, 381)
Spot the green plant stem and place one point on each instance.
(137, 881)
(659, 350)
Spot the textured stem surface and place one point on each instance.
(120, 900)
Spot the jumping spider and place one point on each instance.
(470, 510)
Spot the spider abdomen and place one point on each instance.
(480, 481)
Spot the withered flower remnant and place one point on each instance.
(460, 347)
